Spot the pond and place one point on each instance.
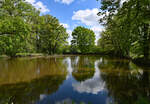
(81, 79)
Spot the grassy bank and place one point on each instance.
(29, 54)
(3, 56)
(24, 55)
(37, 55)
(138, 61)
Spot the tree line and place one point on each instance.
(127, 28)
(24, 30)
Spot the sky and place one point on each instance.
(72, 13)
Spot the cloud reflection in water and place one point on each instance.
(93, 86)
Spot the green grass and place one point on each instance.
(28, 54)
(3, 56)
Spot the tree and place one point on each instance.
(14, 34)
(128, 22)
(52, 35)
(83, 39)
(16, 17)
(23, 30)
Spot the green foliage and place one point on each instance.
(142, 100)
(83, 40)
(23, 30)
(52, 35)
(66, 49)
(127, 28)
(96, 50)
(136, 50)
(14, 35)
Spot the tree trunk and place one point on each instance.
(146, 42)
(54, 49)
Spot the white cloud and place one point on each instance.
(70, 36)
(90, 18)
(65, 25)
(97, 30)
(39, 5)
(31, 1)
(65, 1)
(68, 31)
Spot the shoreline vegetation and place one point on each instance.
(24, 31)
(138, 61)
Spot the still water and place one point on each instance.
(73, 80)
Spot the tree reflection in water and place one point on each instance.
(39, 77)
(75, 79)
(29, 93)
(83, 68)
(126, 83)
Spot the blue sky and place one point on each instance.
(72, 13)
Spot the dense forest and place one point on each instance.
(23, 29)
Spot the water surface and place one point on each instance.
(73, 79)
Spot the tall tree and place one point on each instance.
(16, 20)
(52, 35)
(22, 29)
(83, 39)
(14, 36)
